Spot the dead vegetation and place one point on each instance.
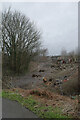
(53, 84)
(67, 105)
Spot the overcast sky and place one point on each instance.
(58, 23)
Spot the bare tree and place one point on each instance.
(63, 52)
(44, 52)
(71, 53)
(21, 40)
(77, 51)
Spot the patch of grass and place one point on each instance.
(39, 109)
(0, 94)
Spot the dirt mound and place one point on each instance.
(37, 92)
(42, 93)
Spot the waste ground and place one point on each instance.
(55, 84)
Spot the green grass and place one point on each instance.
(0, 94)
(39, 109)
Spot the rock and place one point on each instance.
(53, 104)
(41, 70)
(45, 110)
(34, 75)
(50, 79)
(46, 104)
(36, 106)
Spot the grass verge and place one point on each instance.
(41, 110)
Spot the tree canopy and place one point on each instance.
(21, 40)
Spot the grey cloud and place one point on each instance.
(58, 23)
